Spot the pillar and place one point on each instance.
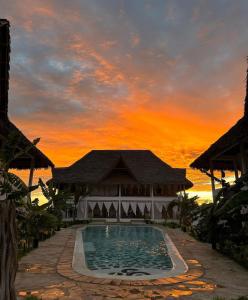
(152, 206)
(31, 174)
(243, 159)
(236, 171)
(119, 204)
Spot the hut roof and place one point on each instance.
(225, 144)
(7, 127)
(40, 160)
(145, 167)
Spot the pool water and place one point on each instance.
(125, 250)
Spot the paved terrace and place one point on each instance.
(46, 272)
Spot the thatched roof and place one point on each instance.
(144, 166)
(227, 145)
(40, 160)
(7, 127)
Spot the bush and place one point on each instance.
(171, 224)
(238, 252)
(224, 223)
(66, 224)
(32, 297)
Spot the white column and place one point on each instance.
(119, 193)
(86, 209)
(86, 203)
(152, 198)
(119, 206)
(119, 209)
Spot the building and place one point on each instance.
(33, 158)
(229, 152)
(121, 184)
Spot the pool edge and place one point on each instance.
(180, 267)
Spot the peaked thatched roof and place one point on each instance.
(7, 127)
(231, 139)
(40, 160)
(145, 167)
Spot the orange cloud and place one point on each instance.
(90, 75)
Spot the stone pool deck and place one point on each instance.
(46, 272)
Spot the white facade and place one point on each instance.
(122, 208)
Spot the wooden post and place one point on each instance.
(31, 174)
(212, 179)
(31, 177)
(243, 159)
(184, 192)
(236, 171)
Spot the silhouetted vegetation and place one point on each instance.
(224, 223)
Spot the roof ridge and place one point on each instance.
(121, 158)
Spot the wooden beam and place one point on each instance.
(223, 151)
(225, 158)
(229, 157)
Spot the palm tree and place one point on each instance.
(35, 219)
(186, 207)
(12, 191)
(56, 199)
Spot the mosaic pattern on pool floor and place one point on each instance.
(125, 250)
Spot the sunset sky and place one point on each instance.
(164, 75)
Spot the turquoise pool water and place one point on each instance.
(125, 250)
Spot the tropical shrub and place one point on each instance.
(224, 223)
(32, 297)
(186, 207)
(56, 199)
(171, 224)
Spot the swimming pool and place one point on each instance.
(126, 251)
